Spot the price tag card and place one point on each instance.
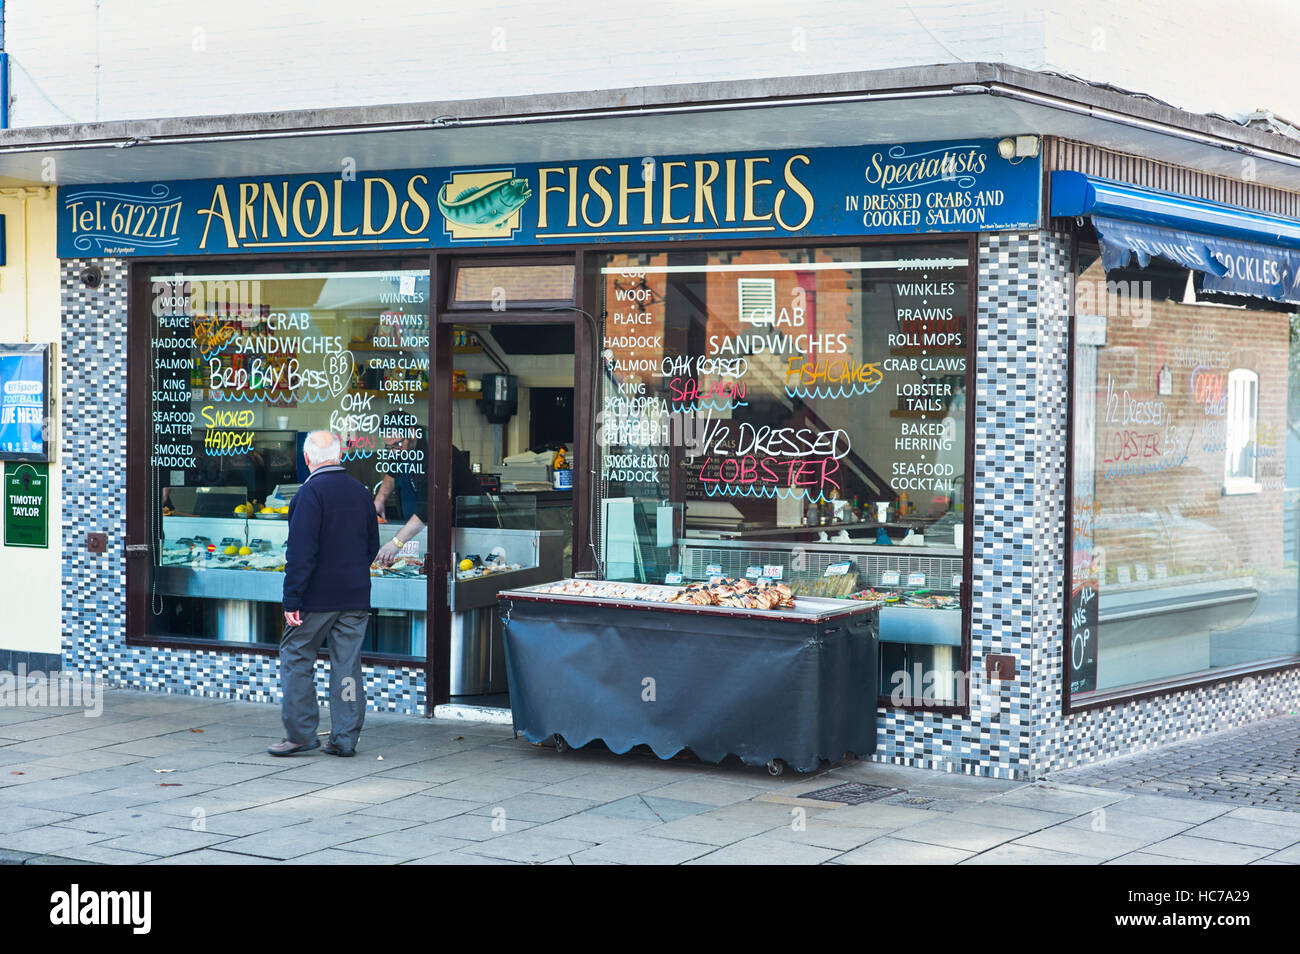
(1162, 571)
(766, 581)
(1142, 575)
(1122, 574)
(673, 579)
(713, 569)
(406, 285)
(889, 578)
(773, 571)
(753, 572)
(916, 579)
(956, 581)
(838, 569)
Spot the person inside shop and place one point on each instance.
(412, 490)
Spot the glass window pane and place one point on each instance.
(243, 368)
(1186, 482)
(798, 413)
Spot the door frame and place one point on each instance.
(441, 515)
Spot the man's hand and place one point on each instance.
(293, 619)
(387, 553)
(381, 505)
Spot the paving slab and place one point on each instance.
(1244, 832)
(821, 833)
(887, 850)
(527, 846)
(337, 856)
(480, 827)
(371, 790)
(48, 839)
(1015, 853)
(954, 833)
(421, 808)
(1267, 816)
(1179, 809)
(1051, 798)
(17, 817)
(645, 850)
(1116, 821)
(535, 807)
(407, 844)
(1207, 851)
(710, 830)
(872, 815)
(1013, 817)
(590, 826)
(704, 790)
(163, 841)
(1146, 858)
(753, 851)
(461, 858)
(1081, 841)
(483, 789)
(1289, 856)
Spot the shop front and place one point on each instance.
(860, 372)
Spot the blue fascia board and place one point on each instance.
(1076, 194)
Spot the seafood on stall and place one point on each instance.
(403, 566)
(610, 590)
(740, 594)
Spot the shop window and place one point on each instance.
(1241, 421)
(241, 369)
(796, 414)
(1185, 532)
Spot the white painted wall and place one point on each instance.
(30, 579)
(86, 60)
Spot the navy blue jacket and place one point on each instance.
(333, 539)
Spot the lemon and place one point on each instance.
(466, 565)
(231, 551)
(244, 551)
(282, 510)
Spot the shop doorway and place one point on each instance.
(504, 447)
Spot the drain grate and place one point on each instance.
(852, 793)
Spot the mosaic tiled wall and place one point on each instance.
(94, 499)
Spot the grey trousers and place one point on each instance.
(298, 648)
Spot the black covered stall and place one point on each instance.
(772, 687)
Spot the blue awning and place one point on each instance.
(1240, 252)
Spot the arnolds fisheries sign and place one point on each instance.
(960, 186)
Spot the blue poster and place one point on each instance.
(22, 405)
(898, 189)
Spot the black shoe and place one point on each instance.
(285, 747)
(329, 748)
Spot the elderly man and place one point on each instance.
(333, 538)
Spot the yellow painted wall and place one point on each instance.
(30, 590)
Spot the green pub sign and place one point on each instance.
(27, 504)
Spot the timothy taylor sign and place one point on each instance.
(960, 186)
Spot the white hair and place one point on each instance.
(322, 448)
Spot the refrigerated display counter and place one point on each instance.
(770, 686)
(498, 559)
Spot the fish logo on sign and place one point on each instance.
(478, 205)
